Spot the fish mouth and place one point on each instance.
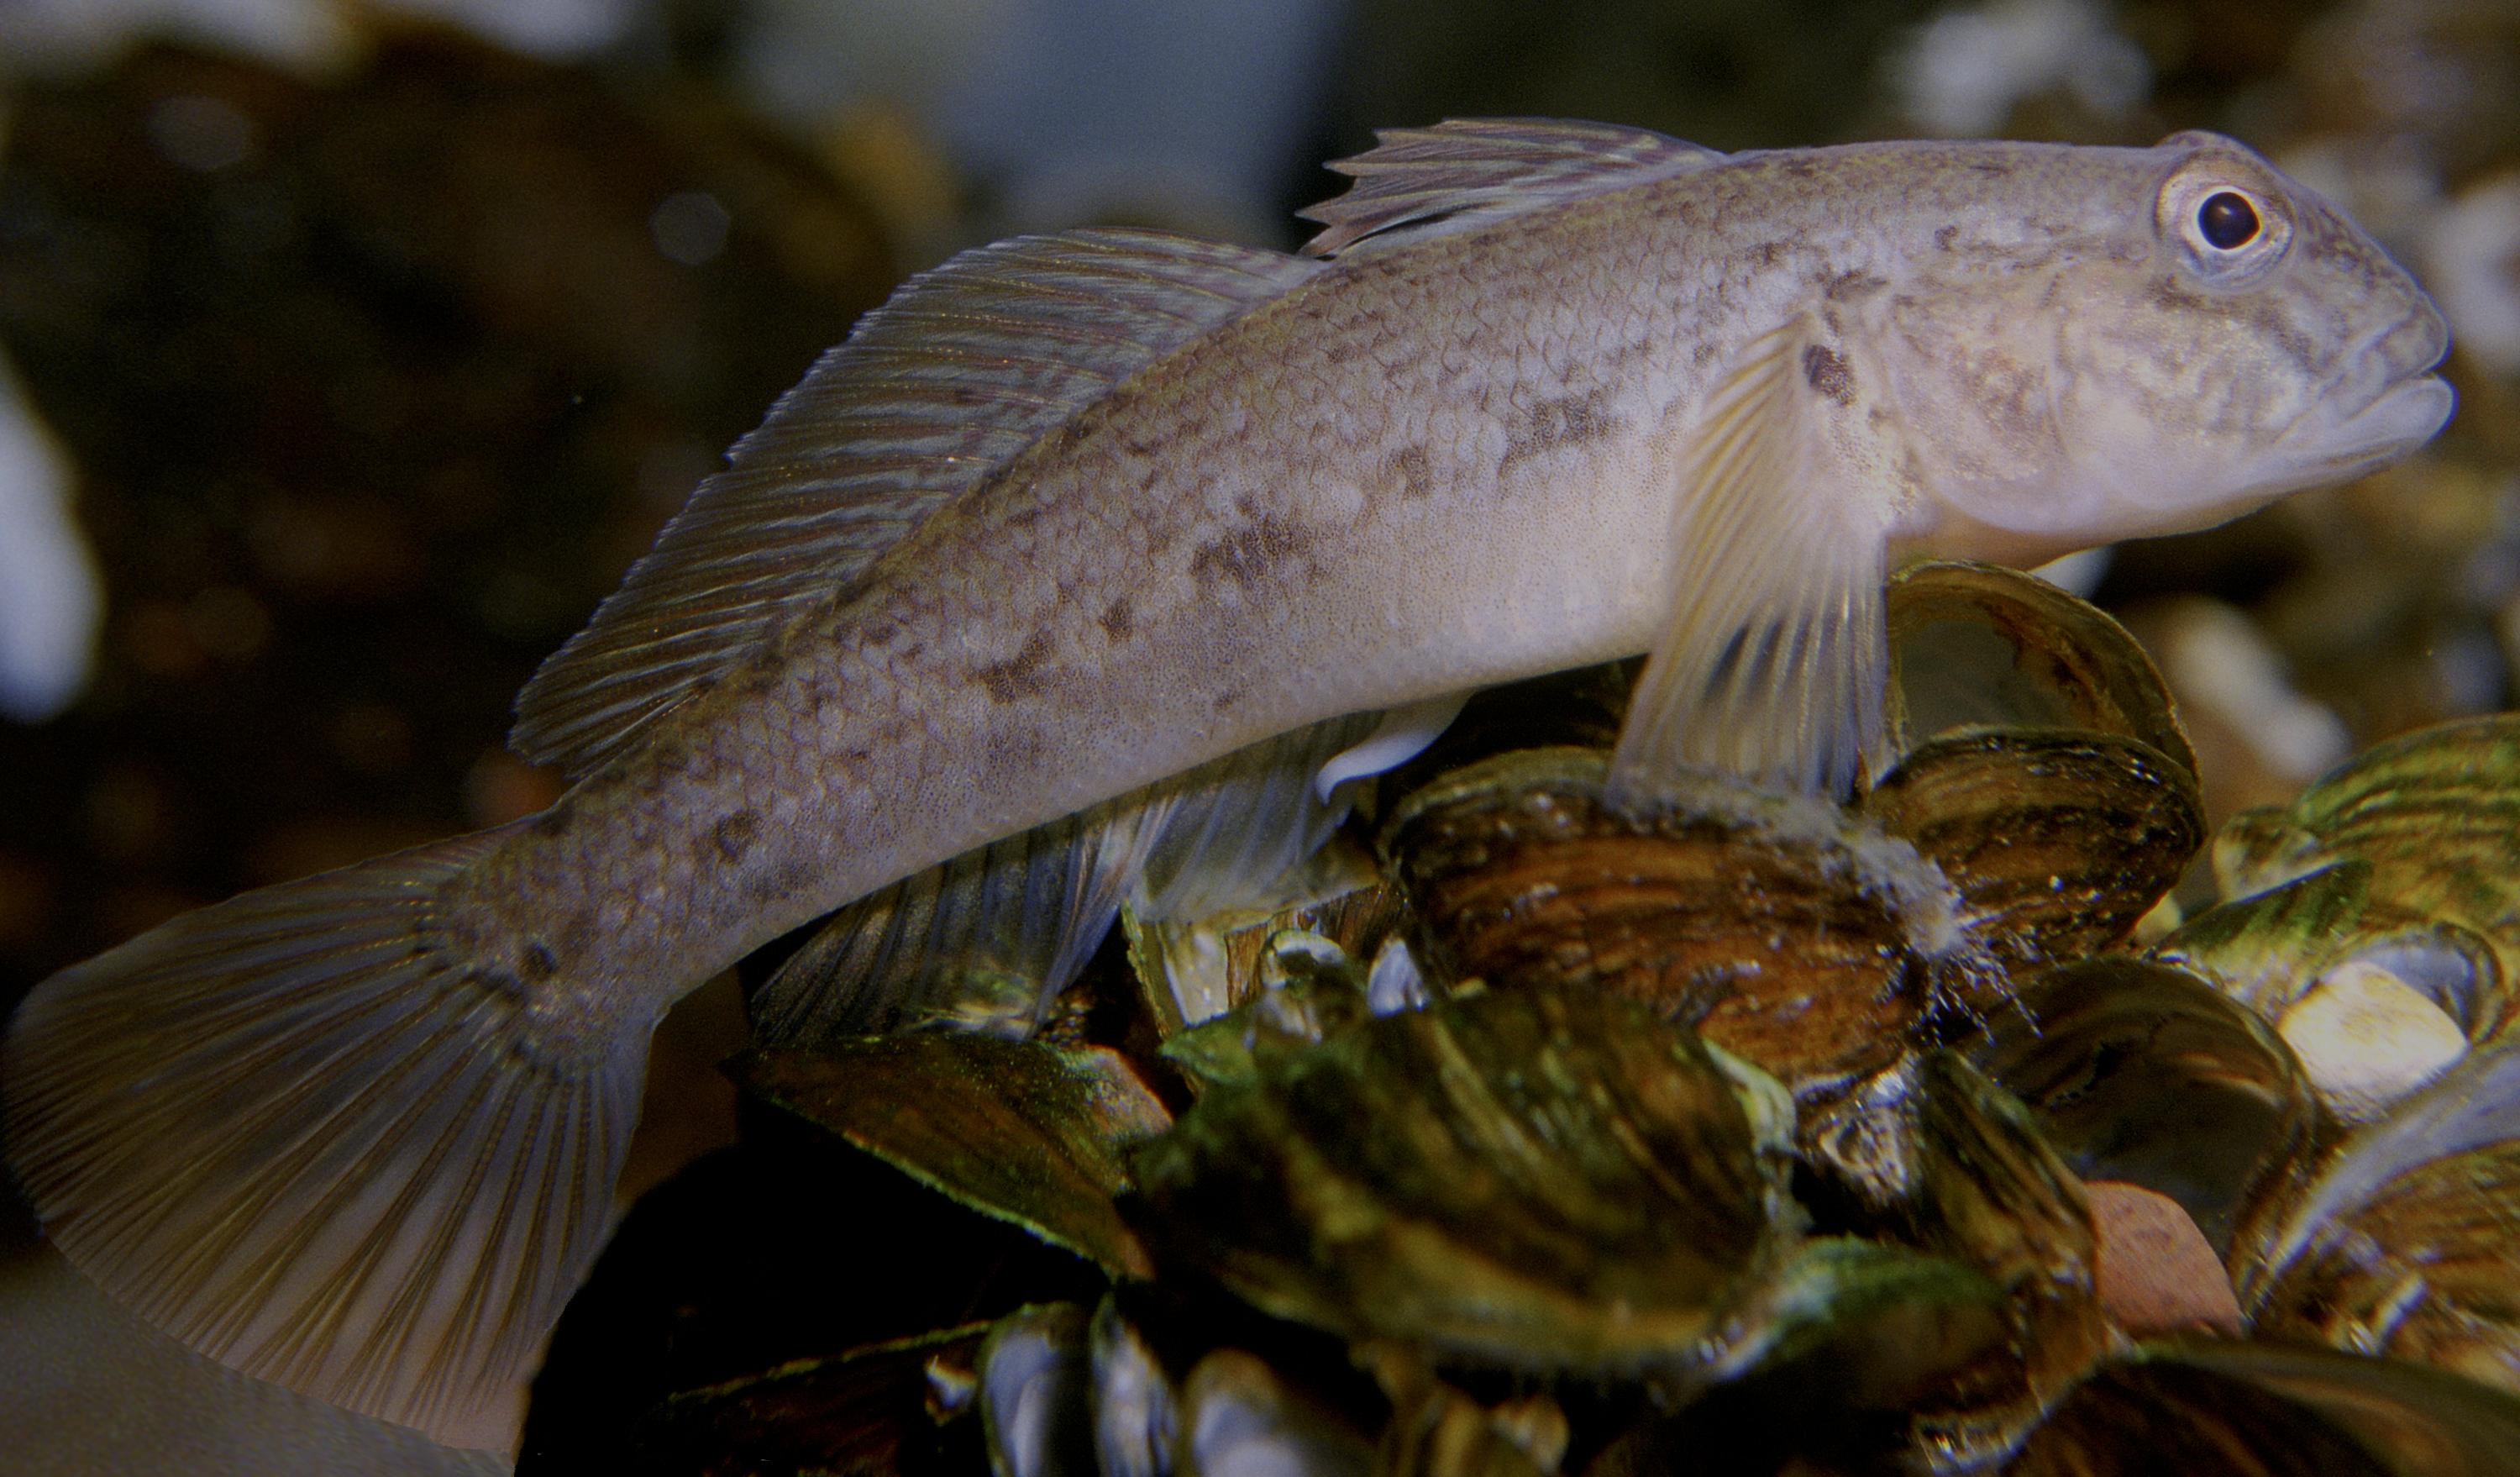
(2407, 405)
(2403, 417)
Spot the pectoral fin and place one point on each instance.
(1773, 666)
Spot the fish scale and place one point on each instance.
(1093, 565)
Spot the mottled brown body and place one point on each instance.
(1072, 515)
(1429, 469)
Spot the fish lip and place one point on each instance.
(2407, 412)
(2400, 362)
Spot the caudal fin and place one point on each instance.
(295, 1135)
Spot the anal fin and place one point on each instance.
(1773, 665)
(988, 939)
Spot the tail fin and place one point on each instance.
(291, 1132)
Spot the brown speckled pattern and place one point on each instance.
(1445, 463)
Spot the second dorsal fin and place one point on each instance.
(933, 394)
(1466, 171)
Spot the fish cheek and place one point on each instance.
(1974, 385)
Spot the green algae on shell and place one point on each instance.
(1024, 1132)
(1537, 1180)
(2436, 813)
(2374, 997)
(1310, 989)
(1556, 1184)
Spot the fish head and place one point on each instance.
(2198, 337)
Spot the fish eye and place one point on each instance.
(2227, 220)
(2225, 216)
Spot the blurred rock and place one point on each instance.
(371, 389)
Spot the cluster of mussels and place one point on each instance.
(1758, 1135)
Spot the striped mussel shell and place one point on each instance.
(1755, 1129)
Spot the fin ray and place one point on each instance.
(1773, 665)
(1027, 912)
(288, 1132)
(1464, 171)
(931, 396)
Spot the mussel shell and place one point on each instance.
(866, 1411)
(1437, 1431)
(1022, 1131)
(1238, 1418)
(1311, 991)
(1788, 931)
(2281, 951)
(1991, 1195)
(2263, 948)
(2436, 813)
(1194, 971)
(2263, 1411)
(2402, 1243)
(1137, 1412)
(1537, 1180)
(1036, 1393)
(2425, 1271)
(2056, 840)
(1983, 645)
(2140, 1072)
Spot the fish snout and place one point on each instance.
(2415, 344)
(2388, 399)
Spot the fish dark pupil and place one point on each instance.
(2227, 221)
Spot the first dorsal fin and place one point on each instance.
(1467, 170)
(933, 394)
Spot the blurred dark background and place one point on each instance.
(348, 352)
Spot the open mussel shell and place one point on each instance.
(2041, 766)
(2436, 814)
(1535, 1179)
(2401, 1243)
(2265, 1410)
(2146, 1074)
(1982, 646)
(1310, 989)
(1197, 971)
(1786, 931)
(2375, 1000)
(1025, 1132)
